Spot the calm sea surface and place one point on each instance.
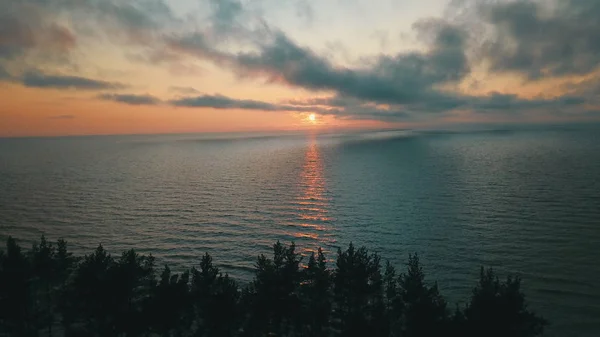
(525, 202)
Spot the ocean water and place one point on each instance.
(525, 202)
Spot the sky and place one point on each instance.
(76, 67)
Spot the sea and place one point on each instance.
(525, 201)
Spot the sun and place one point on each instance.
(312, 117)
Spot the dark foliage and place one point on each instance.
(48, 292)
(499, 309)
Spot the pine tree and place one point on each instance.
(216, 300)
(44, 283)
(392, 300)
(91, 297)
(170, 309)
(358, 292)
(64, 263)
(499, 309)
(316, 296)
(129, 278)
(424, 309)
(101, 296)
(273, 295)
(15, 291)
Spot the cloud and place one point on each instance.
(402, 78)
(62, 117)
(352, 108)
(225, 12)
(4, 74)
(535, 38)
(131, 99)
(544, 39)
(411, 82)
(212, 101)
(223, 103)
(41, 34)
(406, 80)
(184, 90)
(14, 36)
(304, 10)
(34, 79)
(25, 27)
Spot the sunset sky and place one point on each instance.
(70, 67)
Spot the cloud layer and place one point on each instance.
(131, 99)
(36, 79)
(533, 41)
(537, 41)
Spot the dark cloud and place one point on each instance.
(62, 117)
(4, 74)
(131, 99)
(492, 103)
(23, 28)
(33, 36)
(137, 20)
(532, 38)
(212, 101)
(589, 88)
(337, 101)
(36, 79)
(403, 78)
(224, 102)
(14, 36)
(512, 103)
(539, 39)
(184, 90)
(225, 12)
(321, 106)
(407, 82)
(352, 108)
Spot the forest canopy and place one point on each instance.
(47, 291)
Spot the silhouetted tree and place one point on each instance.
(358, 293)
(90, 295)
(170, 308)
(316, 296)
(15, 293)
(499, 309)
(64, 264)
(424, 309)
(216, 300)
(273, 298)
(101, 296)
(393, 301)
(44, 284)
(131, 279)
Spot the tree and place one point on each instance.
(44, 283)
(273, 296)
(15, 292)
(316, 296)
(216, 300)
(358, 293)
(64, 264)
(499, 309)
(131, 278)
(90, 296)
(169, 309)
(393, 301)
(102, 296)
(424, 309)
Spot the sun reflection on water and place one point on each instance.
(312, 202)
